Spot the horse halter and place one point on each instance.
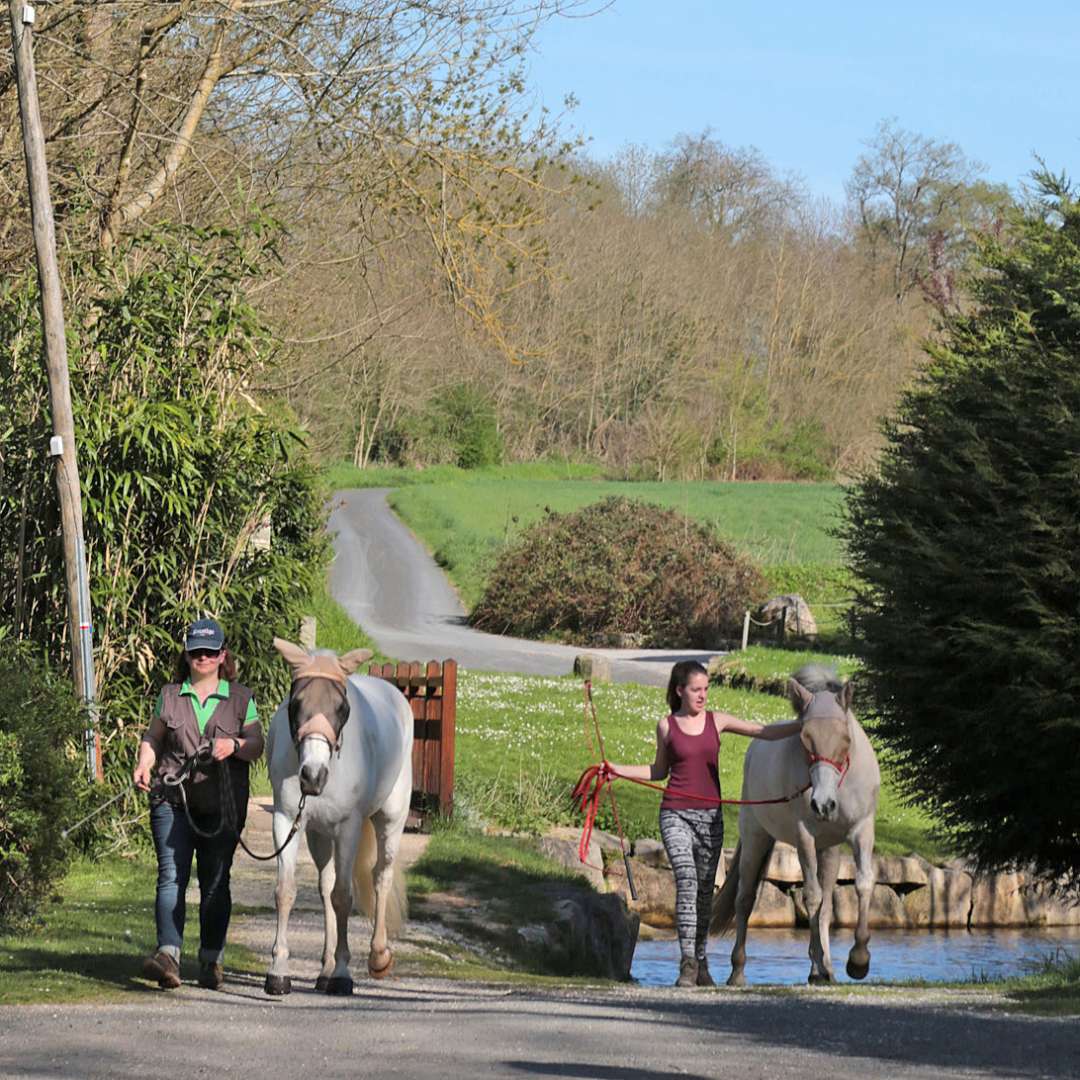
(840, 766)
(317, 726)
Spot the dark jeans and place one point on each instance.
(176, 843)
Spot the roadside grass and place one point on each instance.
(522, 742)
(503, 883)
(87, 942)
(767, 669)
(1052, 990)
(466, 523)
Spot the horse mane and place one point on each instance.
(818, 677)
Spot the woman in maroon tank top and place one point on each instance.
(691, 818)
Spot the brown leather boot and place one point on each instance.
(703, 976)
(162, 967)
(211, 976)
(688, 970)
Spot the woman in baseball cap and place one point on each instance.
(204, 710)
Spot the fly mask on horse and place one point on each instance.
(318, 708)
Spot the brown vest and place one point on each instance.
(182, 739)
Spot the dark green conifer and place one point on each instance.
(967, 546)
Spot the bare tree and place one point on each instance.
(915, 200)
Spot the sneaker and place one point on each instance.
(688, 971)
(162, 967)
(211, 976)
(703, 976)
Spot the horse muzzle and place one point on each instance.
(825, 808)
(313, 778)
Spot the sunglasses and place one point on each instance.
(203, 654)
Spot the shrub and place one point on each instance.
(42, 778)
(968, 550)
(620, 567)
(179, 467)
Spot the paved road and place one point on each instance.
(436, 1029)
(389, 584)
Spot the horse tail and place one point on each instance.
(397, 906)
(723, 905)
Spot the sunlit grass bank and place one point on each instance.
(522, 741)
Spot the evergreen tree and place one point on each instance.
(967, 545)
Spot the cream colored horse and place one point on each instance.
(834, 758)
(343, 743)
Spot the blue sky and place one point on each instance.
(806, 83)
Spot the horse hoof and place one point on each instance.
(736, 979)
(819, 980)
(278, 985)
(339, 987)
(857, 971)
(380, 972)
(322, 983)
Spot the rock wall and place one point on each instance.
(910, 893)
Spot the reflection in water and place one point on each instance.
(780, 956)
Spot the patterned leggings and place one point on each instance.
(693, 839)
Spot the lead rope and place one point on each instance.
(228, 804)
(597, 778)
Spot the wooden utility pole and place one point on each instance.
(62, 444)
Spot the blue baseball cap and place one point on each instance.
(204, 634)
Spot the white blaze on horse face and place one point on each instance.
(824, 790)
(315, 753)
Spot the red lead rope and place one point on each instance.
(591, 784)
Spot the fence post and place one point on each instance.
(745, 630)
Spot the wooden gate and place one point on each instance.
(431, 690)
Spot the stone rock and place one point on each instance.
(591, 934)
(1045, 909)
(887, 910)
(652, 853)
(998, 900)
(945, 901)
(607, 841)
(799, 622)
(904, 870)
(655, 902)
(561, 846)
(773, 907)
(592, 666)
(783, 865)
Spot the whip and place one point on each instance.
(65, 833)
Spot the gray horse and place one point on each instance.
(839, 803)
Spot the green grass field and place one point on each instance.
(466, 522)
(522, 742)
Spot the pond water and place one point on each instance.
(779, 957)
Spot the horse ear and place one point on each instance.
(353, 659)
(847, 692)
(798, 695)
(293, 655)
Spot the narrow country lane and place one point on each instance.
(389, 584)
